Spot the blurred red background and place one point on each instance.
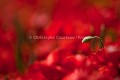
(27, 54)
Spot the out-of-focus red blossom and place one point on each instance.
(67, 61)
(8, 36)
(113, 54)
(33, 74)
(42, 48)
(70, 28)
(7, 61)
(59, 59)
(49, 72)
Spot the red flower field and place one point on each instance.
(60, 40)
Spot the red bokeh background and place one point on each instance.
(26, 56)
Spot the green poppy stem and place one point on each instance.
(100, 40)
